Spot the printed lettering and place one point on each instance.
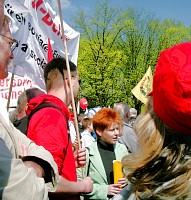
(40, 62)
(43, 45)
(14, 83)
(14, 95)
(36, 4)
(1, 83)
(47, 19)
(56, 55)
(42, 10)
(19, 82)
(24, 47)
(9, 9)
(20, 18)
(7, 82)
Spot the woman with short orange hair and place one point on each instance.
(100, 155)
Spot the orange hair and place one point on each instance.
(104, 118)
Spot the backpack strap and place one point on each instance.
(44, 105)
(48, 104)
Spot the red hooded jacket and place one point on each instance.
(48, 128)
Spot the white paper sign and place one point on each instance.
(20, 84)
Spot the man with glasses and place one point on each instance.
(24, 166)
(6, 45)
(12, 42)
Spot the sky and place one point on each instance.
(162, 9)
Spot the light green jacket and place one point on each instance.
(97, 172)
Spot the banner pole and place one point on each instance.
(69, 75)
(10, 91)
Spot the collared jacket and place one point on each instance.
(48, 128)
(16, 180)
(95, 169)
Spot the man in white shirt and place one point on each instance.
(25, 167)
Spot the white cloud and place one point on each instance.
(65, 4)
(68, 9)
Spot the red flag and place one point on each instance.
(50, 55)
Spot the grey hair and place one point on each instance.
(122, 108)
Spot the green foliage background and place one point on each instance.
(116, 48)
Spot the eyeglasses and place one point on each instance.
(13, 43)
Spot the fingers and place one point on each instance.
(81, 154)
(82, 150)
(114, 189)
(81, 158)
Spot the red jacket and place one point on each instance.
(48, 128)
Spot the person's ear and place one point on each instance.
(99, 133)
(67, 82)
(26, 107)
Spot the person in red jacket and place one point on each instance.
(48, 127)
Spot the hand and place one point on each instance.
(122, 182)
(72, 187)
(75, 144)
(114, 189)
(37, 168)
(87, 184)
(80, 157)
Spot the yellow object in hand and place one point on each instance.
(117, 170)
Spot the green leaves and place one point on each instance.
(116, 48)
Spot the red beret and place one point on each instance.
(172, 88)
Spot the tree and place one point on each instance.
(116, 48)
(142, 41)
(98, 57)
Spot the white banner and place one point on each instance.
(20, 84)
(33, 22)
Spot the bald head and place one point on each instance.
(123, 109)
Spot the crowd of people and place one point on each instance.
(40, 161)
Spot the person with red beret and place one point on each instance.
(161, 168)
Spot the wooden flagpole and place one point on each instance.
(69, 75)
(10, 91)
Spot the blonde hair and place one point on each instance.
(161, 168)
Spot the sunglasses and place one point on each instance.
(12, 42)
